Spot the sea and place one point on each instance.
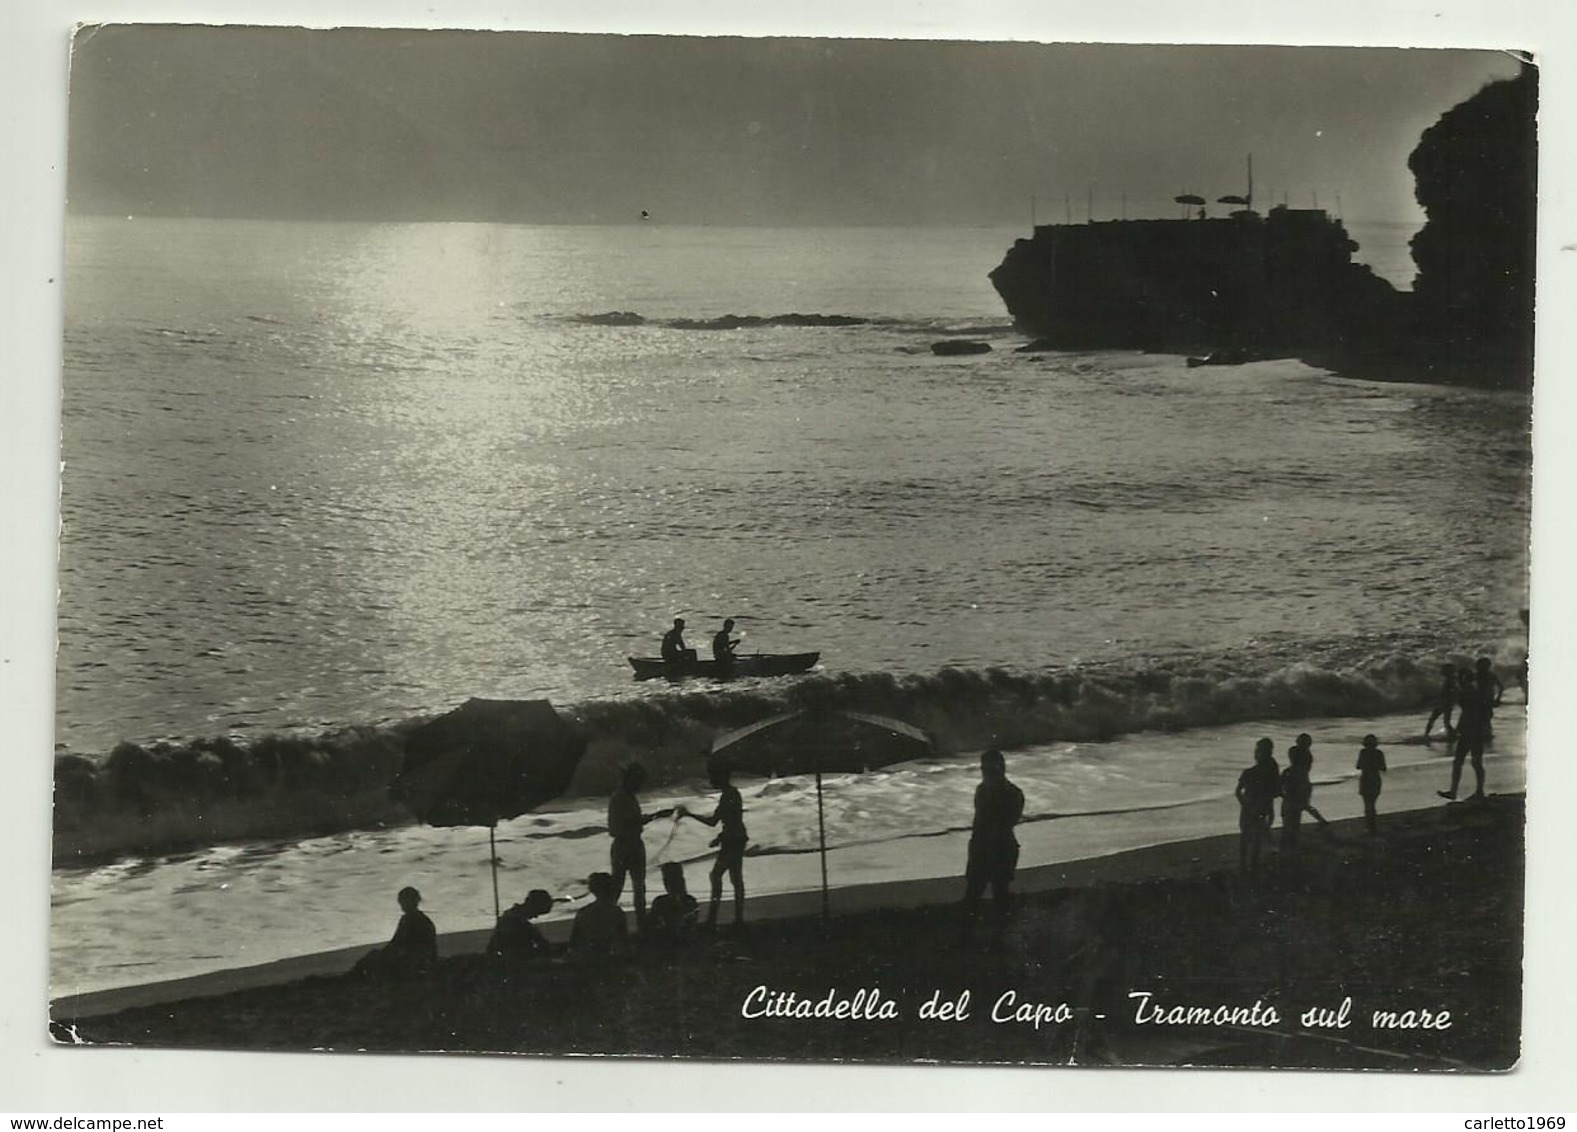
(321, 481)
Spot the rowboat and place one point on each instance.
(752, 664)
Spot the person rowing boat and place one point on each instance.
(723, 645)
(674, 650)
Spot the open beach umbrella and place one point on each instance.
(487, 761)
(821, 742)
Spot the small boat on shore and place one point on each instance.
(754, 664)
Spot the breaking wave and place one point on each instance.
(166, 796)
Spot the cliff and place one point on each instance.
(1476, 176)
(1285, 284)
(1273, 283)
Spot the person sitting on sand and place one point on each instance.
(723, 645)
(1480, 692)
(674, 651)
(599, 928)
(1371, 765)
(627, 854)
(1445, 702)
(516, 937)
(413, 949)
(674, 913)
(730, 841)
(993, 849)
(1257, 790)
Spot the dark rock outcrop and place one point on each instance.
(1476, 173)
(954, 347)
(1275, 283)
(1285, 284)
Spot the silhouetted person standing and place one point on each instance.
(413, 949)
(1522, 669)
(730, 841)
(1445, 701)
(674, 650)
(1371, 765)
(1480, 692)
(1296, 790)
(627, 854)
(1257, 790)
(993, 849)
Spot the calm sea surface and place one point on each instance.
(329, 473)
(337, 474)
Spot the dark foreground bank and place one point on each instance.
(1398, 952)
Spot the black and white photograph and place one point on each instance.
(794, 549)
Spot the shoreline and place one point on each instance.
(1117, 944)
(914, 871)
(1169, 859)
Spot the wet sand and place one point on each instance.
(1426, 917)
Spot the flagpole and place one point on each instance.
(821, 822)
(492, 859)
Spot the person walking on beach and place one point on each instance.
(1444, 702)
(674, 650)
(993, 849)
(1480, 692)
(1522, 669)
(730, 841)
(1371, 765)
(1295, 792)
(1303, 745)
(1257, 790)
(413, 949)
(627, 854)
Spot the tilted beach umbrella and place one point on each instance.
(819, 742)
(487, 761)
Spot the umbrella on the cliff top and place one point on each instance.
(486, 761)
(821, 742)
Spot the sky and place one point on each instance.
(374, 124)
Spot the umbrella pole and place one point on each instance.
(821, 823)
(492, 859)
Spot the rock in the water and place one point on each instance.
(955, 346)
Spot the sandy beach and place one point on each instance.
(1409, 942)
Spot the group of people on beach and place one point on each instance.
(1263, 783)
(1470, 695)
(1474, 693)
(600, 929)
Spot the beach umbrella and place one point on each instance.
(485, 762)
(815, 741)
